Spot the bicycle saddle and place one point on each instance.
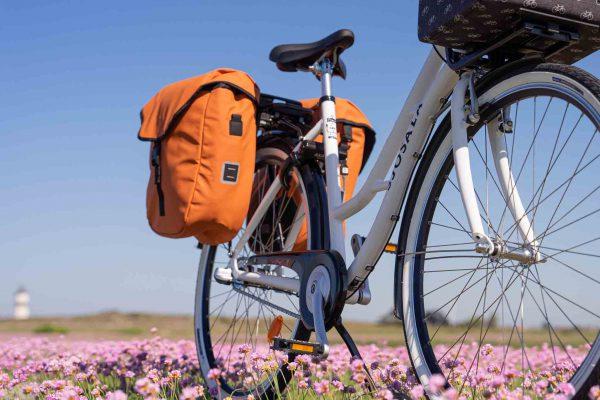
(298, 57)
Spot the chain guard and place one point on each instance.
(304, 263)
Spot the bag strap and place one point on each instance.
(369, 137)
(204, 88)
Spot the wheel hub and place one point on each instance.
(499, 250)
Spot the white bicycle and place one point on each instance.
(493, 176)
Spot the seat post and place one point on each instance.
(324, 70)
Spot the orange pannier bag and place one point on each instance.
(203, 134)
(356, 134)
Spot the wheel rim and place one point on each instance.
(441, 263)
(231, 322)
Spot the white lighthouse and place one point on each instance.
(21, 304)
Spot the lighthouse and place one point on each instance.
(21, 304)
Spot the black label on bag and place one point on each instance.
(230, 173)
(236, 128)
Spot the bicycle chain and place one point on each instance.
(263, 301)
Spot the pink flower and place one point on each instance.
(450, 394)
(28, 389)
(245, 349)
(146, 387)
(358, 365)
(214, 374)
(4, 379)
(118, 395)
(384, 394)
(487, 350)
(417, 392)
(338, 385)
(322, 387)
(53, 369)
(566, 388)
(191, 393)
(69, 394)
(436, 383)
(303, 384)
(175, 374)
(497, 381)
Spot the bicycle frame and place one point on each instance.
(403, 147)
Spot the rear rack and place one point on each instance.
(281, 114)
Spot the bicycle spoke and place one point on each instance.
(471, 322)
(553, 166)
(569, 184)
(562, 311)
(529, 205)
(240, 314)
(456, 300)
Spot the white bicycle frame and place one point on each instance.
(434, 85)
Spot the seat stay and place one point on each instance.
(232, 272)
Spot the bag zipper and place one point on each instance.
(155, 161)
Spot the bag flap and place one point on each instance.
(163, 110)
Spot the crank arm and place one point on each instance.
(317, 289)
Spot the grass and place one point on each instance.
(108, 325)
(131, 331)
(49, 328)
(115, 325)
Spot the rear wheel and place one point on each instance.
(232, 319)
(483, 322)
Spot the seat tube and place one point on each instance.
(332, 166)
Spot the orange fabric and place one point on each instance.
(347, 114)
(346, 111)
(275, 328)
(191, 121)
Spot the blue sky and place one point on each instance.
(73, 176)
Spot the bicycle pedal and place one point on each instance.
(298, 347)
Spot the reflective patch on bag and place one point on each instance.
(230, 173)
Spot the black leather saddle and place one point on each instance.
(298, 57)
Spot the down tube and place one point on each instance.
(414, 135)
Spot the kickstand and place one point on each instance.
(343, 332)
(341, 329)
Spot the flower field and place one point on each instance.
(156, 368)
